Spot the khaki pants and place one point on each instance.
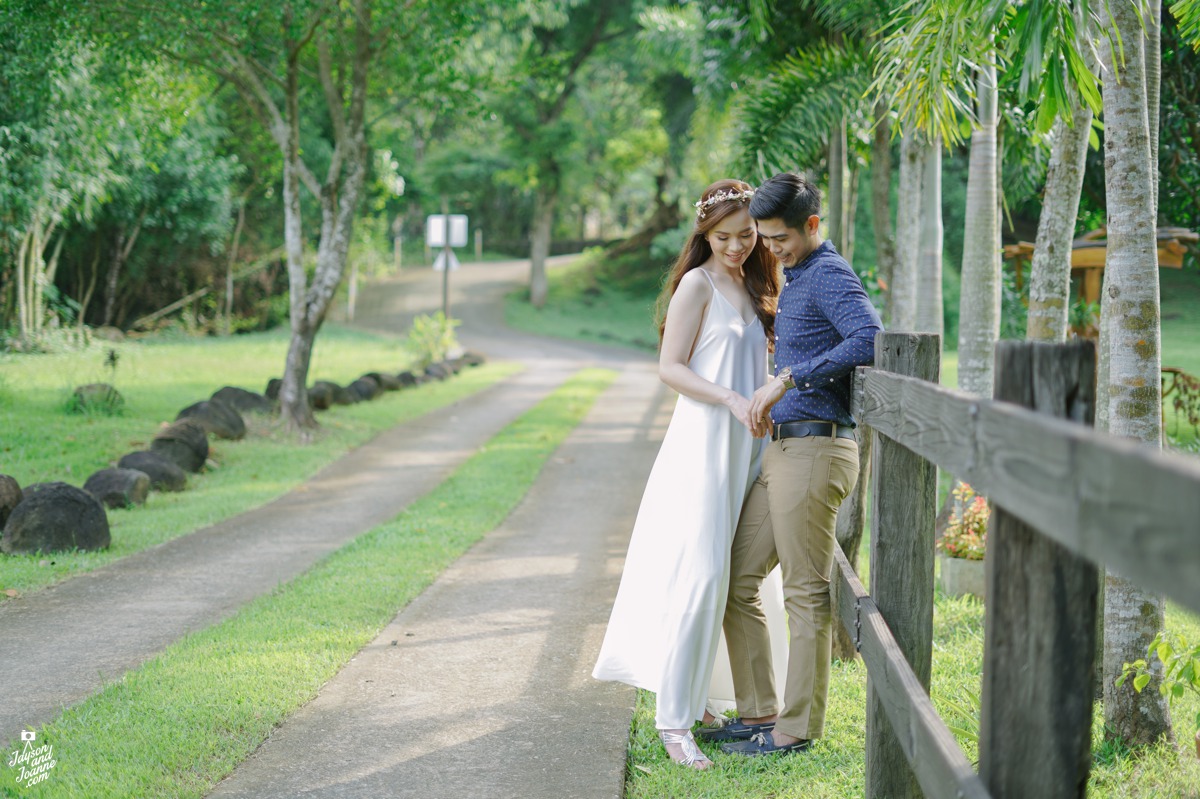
(788, 518)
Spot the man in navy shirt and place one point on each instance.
(825, 327)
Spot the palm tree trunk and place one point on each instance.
(929, 258)
(852, 176)
(1131, 392)
(1153, 82)
(903, 304)
(1050, 274)
(881, 201)
(837, 186)
(979, 306)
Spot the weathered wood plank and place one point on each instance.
(1118, 503)
(903, 506)
(851, 521)
(1040, 631)
(941, 768)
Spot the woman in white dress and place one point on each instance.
(720, 315)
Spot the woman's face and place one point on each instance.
(732, 239)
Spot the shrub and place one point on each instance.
(966, 534)
(432, 338)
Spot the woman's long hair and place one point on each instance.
(761, 269)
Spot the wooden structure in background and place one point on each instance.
(1088, 253)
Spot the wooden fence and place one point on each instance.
(1065, 501)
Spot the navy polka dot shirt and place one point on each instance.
(825, 327)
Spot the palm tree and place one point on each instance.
(1131, 401)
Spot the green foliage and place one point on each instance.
(790, 114)
(1083, 318)
(1014, 306)
(929, 56)
(1188, 14)
(1180, 668)
(667, 245)
(432, 338)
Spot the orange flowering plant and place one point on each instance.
(966, 534)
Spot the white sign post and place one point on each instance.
(438, 236)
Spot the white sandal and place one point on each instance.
(692, 756)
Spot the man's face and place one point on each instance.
(791, 246)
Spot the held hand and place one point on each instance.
(765, 398)
(739, 406)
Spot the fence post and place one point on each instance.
(903, 506)
(851, 520)
(1040, 634)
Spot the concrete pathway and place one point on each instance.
(486, 691)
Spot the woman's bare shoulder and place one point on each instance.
(696, 283)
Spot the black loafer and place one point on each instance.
(764, 744)
(732, 730)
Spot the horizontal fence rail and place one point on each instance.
(1119, 503)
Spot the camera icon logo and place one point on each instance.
(28, 735)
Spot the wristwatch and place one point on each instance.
(785, 375)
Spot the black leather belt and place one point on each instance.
(802, 429)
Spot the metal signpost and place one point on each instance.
(437, 235)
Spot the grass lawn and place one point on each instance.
(834, 768)
(182, 721)
(578, 307)
(39, 441)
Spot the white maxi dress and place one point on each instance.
(665, 626)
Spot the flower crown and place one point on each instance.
(724, 195)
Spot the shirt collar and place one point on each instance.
(792, 271)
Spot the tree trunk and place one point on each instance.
(339, 196)
(852, 175)
(110, 284)
(979, 306)
(837, 186)
(929, 251)
(1050, 274)
(37, 280)
(1132, 389)
(903, 303)
(664, 217)
(293, 393)
(91, 287)
(233, 252)
(539, 250)
(881, 202)
(1153, 83)
(22, 292)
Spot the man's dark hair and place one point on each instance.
(786, 196)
